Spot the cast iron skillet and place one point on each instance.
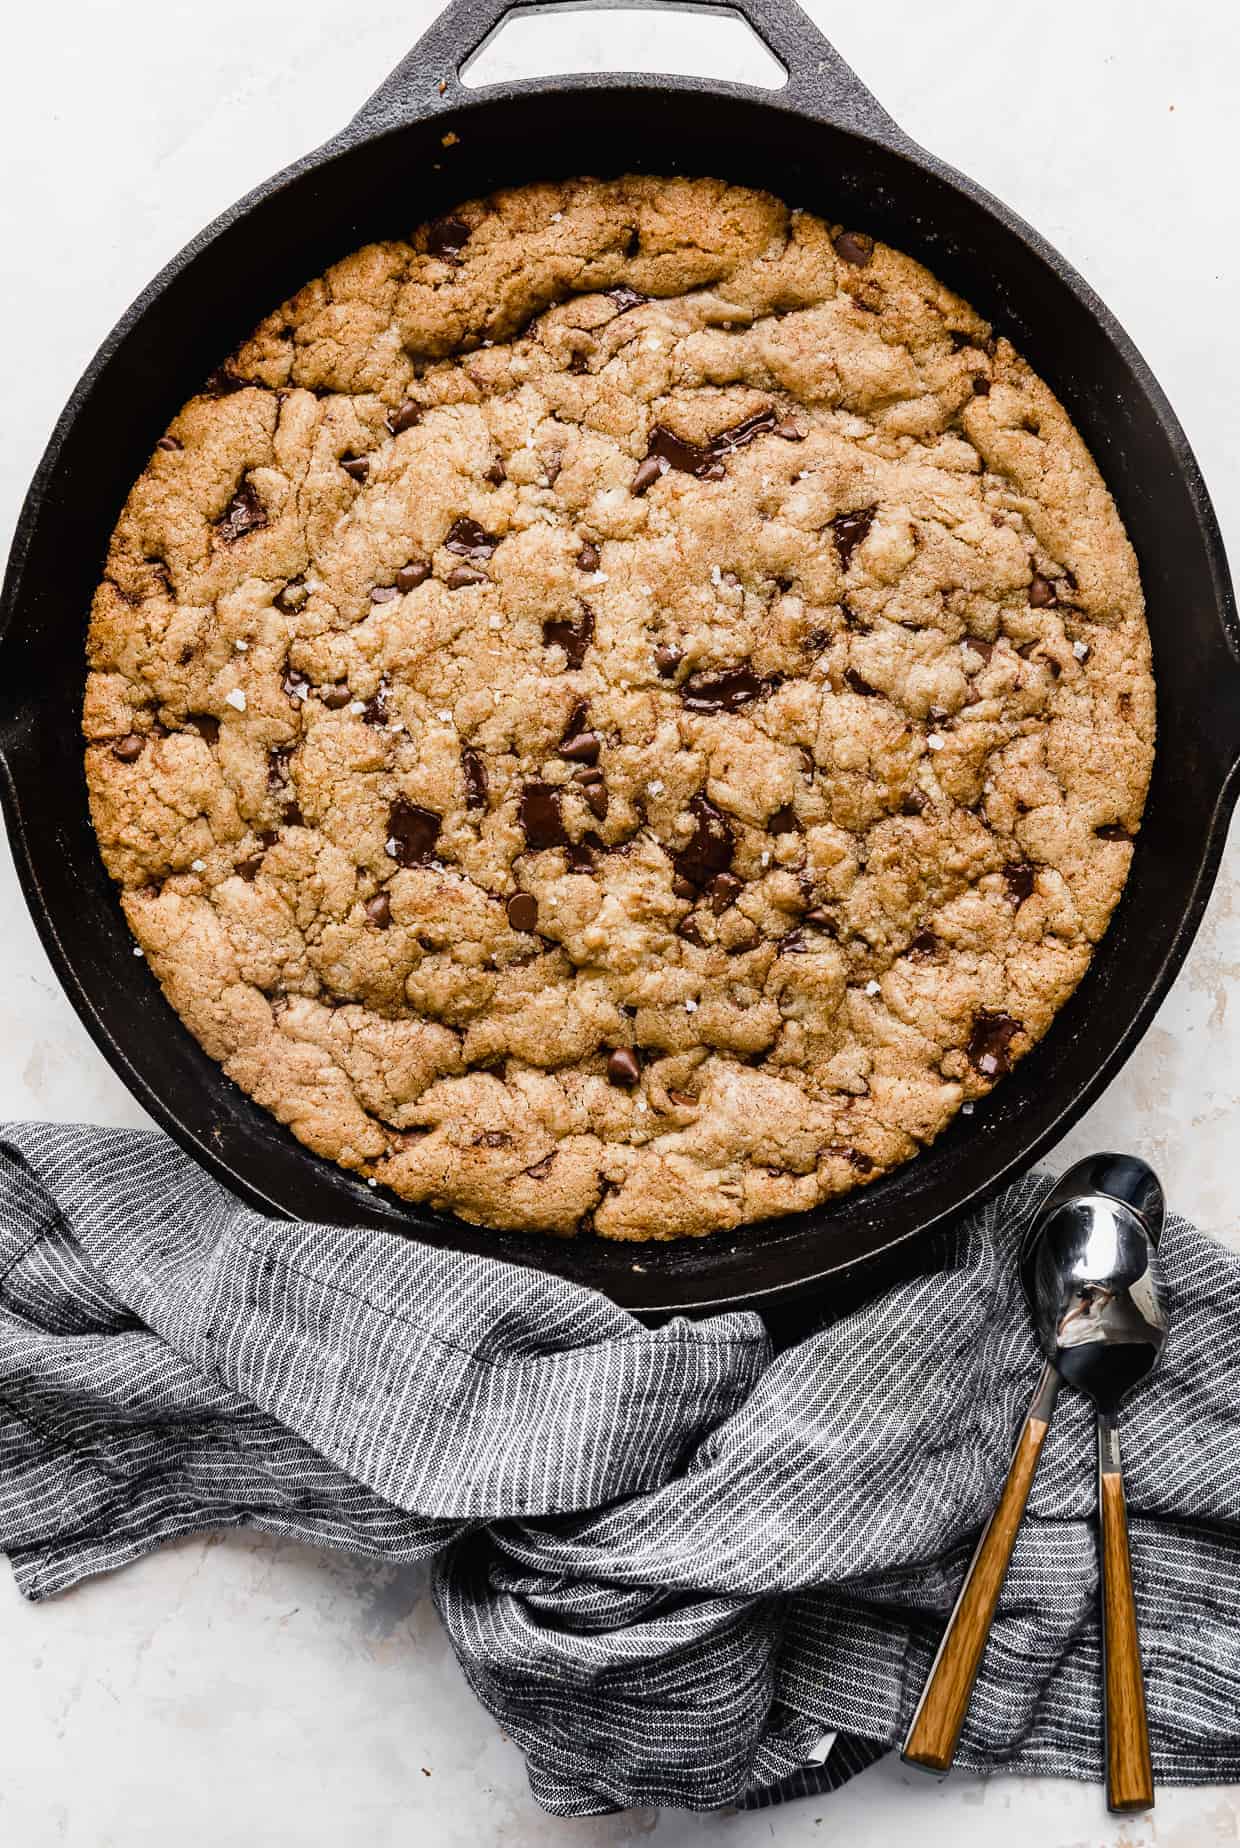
(823, 143)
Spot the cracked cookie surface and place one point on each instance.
(624, 711)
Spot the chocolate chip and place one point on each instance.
(725, 691)
(667, 658)
(446, 238)
(588, 775)
(493, 1139)
(292, 816)
(412, 833)
(978, 647)
(573, 638)
(579, 857)
(411, 575)
(292, 597)
(169, 442)
(474, 772)
(855, 247)
(702, 460)
(1112, 831)
(710, 848)
(981, 385)
(206, 725)
(793, 944)
(589, 557)
(923, 948)
(129, 748)
(854, 1157)
(648, 472)
(1020, 878)
(551, 468)
(687, 928)
(522, 909)
(541, 1169)
(222, 383)
(462, 576)
(849, 529)
(336, 697)
(582, 748)
(384, 593)
(356, 466)
(596, 800)
(539, 815)
(624, 297)
(784, 821)
(624, 1067)
(277, 765)
(723, 890)
(578, 363)
(245, 513)
(916, 802)
(405, 418)
(682, 888)
(469, 540)
(857, 684)
(821, 919)
(791, 432)
(989, 1047)
(683, 1100)
(375, 711)
(249, 868)
(268, 837)
(495, 475)
(1041, 592)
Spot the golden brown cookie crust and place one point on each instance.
(626, 710)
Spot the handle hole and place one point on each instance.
(557, 41)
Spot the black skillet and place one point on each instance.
(824, 143)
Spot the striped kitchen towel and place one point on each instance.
(678, 1567)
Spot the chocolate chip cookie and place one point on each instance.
(623, 711)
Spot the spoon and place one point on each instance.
(1071, 1277)
(1091, 1275)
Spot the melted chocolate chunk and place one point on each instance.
(989, 1048)
(169, 442)
(358, 467)
(859, 685)
(854, 1157)
(625, 298)
(723, 890)
(292, 597)
(129, 748)
(688, 929)
(411, 575)
(249, 868)
(916, 802)
(978, 647)
(379, 910)
(710, 849)
(702, 460)
(462, 576)
(245, 513)
(924, 947)
(981, 385)
(589, 557)
(375, 712)
(579, 857)
(849, 529)
(206, 725)
(784, 821)
(412, 833)
(667, 658)
(725, 691)
(292, 816)
(648, 472)
(474, 772)
(1112, 831)
(539, 815)
(447, 238)
(573, 637)
(1041, 592)
(222, 383)
(334, 698)
(469, 540)
(541, 1169)
(582, 748)
(791, 432)
(1020, 878)
(793, 944)
(855, 247)
(496, 475)
(624, 1067)
(522, 910)
(405, 418)
(821, 919)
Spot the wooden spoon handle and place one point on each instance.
(935, 1728)
(1130, 1776)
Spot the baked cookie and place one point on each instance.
(624, 711)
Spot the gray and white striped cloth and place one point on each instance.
(672, 1563)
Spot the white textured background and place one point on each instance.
(241, 1692)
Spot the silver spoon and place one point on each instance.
(1087, 1268)
(1092, 1278)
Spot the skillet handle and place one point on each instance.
(428, 80)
